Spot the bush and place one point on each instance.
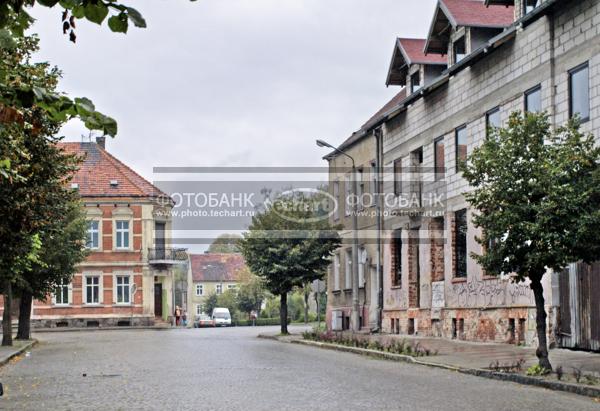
(259, 322)
(536, 371)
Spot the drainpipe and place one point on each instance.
(378, 134)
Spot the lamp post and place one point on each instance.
(354, 317)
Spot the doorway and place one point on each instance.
(158, 300)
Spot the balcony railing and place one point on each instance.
(167, 255)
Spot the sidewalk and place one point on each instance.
(19, 347)
(477, 359)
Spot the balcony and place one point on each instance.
(167, 256)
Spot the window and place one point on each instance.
(123, 289)
(361, 186)
(231, 286)
(336, 272)
(398, 177)
(336, 196)
(198, 309)
(492, 120)
(199, 289)
(461, 145)
(415, 82)
(374, 188)
(362, 255)
(93, 239)
(122, 233)
(533, 100)
(92, 290)
(439, 158)
(579, 92)
(397, 259)
(460, 243)
(219, 288)
(460, 50)
(530, 5)
(347, 183)
(348, 273)
(61, 293)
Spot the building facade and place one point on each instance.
(213, 273)
(127, 278)
(481, 61)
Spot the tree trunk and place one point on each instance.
(542, 350)
(7, 339)
(24, 331)
(306, 295)
(283, 313)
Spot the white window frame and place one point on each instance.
(348, 270)
(90, 233)
(336, 272)
(128, 286)
(361, 267)
(199, 290)
(336, 195)
(85, 288)
(373, 182)
(63, 284)
(348, 190)
(198, 309)
(123, 234)
(231, 286)
(219, 289)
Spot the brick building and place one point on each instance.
(482, 60)
(127, 278)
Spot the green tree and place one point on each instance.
(536, 195)
(211, 302)
(289, 243)
(62, 248)
(225, 244)
(39, 171)
(250, 296)
(228, 300)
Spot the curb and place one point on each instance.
(20, 351)
(516, 378)
(83, 329)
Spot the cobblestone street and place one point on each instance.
(231, 369)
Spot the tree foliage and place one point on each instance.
(225, 244)
(250, 296)
(536, 193)
(288, 244)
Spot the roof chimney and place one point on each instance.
(101, 141)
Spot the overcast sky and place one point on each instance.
(234, 82)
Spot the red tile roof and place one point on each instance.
(414, 50)
(216, 267)
(99, 168)
(475, 13)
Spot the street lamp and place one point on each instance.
(354, 317)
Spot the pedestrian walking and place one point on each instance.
(177, 315)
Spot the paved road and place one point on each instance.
(230, 369)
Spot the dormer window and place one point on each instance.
(114, 183)
(74, 186)
(415, 82)
(460, 50)
(530, 5)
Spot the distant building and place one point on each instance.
(127, 278)
(211, 273)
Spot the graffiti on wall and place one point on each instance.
(495, 292)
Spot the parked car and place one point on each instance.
(221, 317)
(204, 320)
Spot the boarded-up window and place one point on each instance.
(460, 243)
(397, 259)
(439, 158)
